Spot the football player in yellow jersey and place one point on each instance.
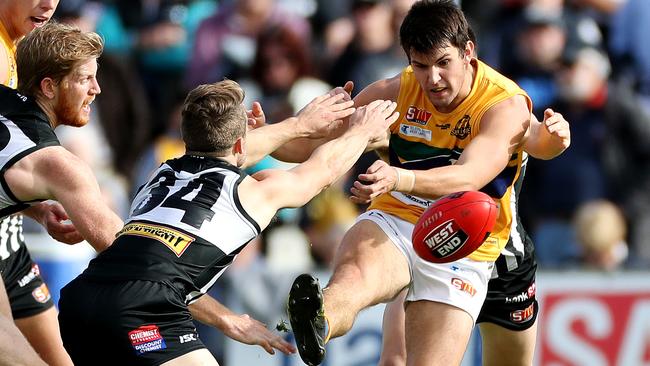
(462, 127)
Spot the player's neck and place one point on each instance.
(229, 158)
(49, 112)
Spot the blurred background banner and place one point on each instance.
(594, 319)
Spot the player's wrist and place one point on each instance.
(405, 180)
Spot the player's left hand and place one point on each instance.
(325, 113)
(247, 330)
(379, 178)
(558, 128)
(53, 217)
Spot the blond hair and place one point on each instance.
(600, 225)
(53, 51)
(213, 117)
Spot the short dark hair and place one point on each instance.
(213, 117)
(434, 24)
(53, 51)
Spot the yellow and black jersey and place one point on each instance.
(424, 138)
(10, 54)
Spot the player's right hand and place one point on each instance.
(247, 330)
(375, 118)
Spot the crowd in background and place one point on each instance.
(586, 59)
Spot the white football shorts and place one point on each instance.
(462, 283)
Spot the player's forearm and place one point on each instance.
(298, 150)
(209, 311)
(265, 140)
(99, 228)
(437, 182)
(339, 155)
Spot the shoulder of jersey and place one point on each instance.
(12, 102)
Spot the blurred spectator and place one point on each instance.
(577, 176)
(601, 231)
(168, 145)
(630, 28)
(162, 35)
(282, 74)
(584, 96)
(225, 42)
(538, 55)
(374, 52)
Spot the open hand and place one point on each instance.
(325, 113)
(247, 330)
(375, 118)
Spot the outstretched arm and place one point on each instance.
(318, 119)
(548, 139)
(299, 150)
(271, 189)
(241, 328)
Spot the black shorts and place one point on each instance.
(124, 323)
(511, 301)
(28, 294)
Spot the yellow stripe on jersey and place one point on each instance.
(173, 239)
(424, 138)
(10, 52)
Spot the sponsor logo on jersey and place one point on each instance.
(446, 239)
(29, 276)
(174, 240)
(146, 338)
(522, 316)
(417, 115)
(41, 293)
(187, 338)
(443, 126)
(525, 295)
(462, 128)
(415, 131)
(464, 286)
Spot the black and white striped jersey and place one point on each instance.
(186, 226)
(24, 128)
(519, 248)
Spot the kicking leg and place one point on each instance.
(368, 269)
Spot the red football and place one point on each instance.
(454, 226)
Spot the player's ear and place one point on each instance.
(469, 51)
(239, 146)
(48, 87)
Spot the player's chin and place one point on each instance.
(79, 121)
